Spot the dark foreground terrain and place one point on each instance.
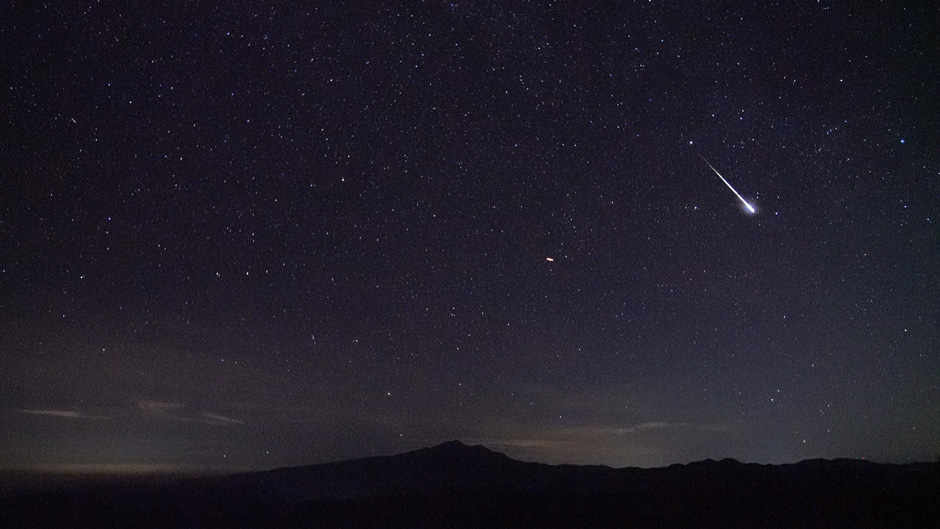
(454, 485)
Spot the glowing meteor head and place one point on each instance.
(750, 208)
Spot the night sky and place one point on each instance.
(254, 236)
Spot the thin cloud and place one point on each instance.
(162, 410)
(670, 426)
(65, 414)
(646, 426)
(156, 406)
(517, 443)
(216, 419)
(213, 419)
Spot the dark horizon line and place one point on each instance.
(142, 470)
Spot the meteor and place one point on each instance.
(748, 206)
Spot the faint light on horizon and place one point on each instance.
(128, 469)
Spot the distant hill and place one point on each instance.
(455, 485)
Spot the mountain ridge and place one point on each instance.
(455, 447)
(456, 485)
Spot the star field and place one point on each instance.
(260, 236)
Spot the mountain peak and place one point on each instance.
(456, 447)
(451, 445)
(474, 455)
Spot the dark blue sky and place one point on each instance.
(261, 236)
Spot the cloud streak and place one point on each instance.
(156, 406)
(212, 419)
(517, 443)
(172, 410)
(659, 426)
(220, 420)
(64, 414)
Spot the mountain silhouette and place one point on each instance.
(451, 467)
(455, 485)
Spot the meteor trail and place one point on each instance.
(748, 206)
